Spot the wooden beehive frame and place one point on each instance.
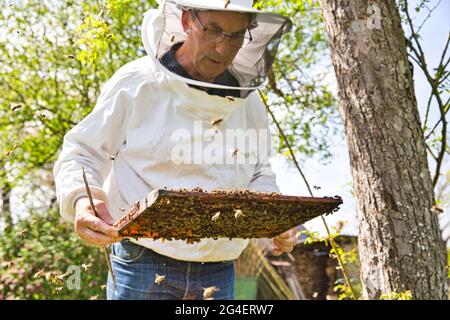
(195, 214)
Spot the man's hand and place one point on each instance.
(284, 242)
(97, 231)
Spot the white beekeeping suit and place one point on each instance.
(144, 113)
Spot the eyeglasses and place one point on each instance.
(217, 36)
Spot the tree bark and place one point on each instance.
(399, 238)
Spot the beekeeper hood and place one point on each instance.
(162, 28)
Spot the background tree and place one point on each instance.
(399, 239)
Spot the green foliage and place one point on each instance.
(36, 254)
(406, 295)
(302, 100)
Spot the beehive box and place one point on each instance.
(194, 214)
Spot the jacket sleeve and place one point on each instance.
(89, 144)
(264, 179)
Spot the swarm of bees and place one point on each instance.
(192, 215)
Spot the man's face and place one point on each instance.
(211, 58)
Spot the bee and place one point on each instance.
(136, 204)
(7, 264)
(437, 209)
(7, 153)
(172, 39)
(93, 297)
(40, 115)
(22, 233)
(227, 2)
(238, 213)
(317, 187)
(58, 289)
(122, 209)
(111, 157)
(61, 277)
(234, 152)
(103, 287)
(168, 201)
(71, 56)
(159, 279)
(109, 36)
(16, 107)
(209, 292)
(216, 216)
(86, 267)
(38, 274)
(229, 98)
(216, 121)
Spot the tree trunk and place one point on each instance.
(399, 238)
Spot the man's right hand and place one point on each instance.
(97, 231)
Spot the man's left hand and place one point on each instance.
(284, 242)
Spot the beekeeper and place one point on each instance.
(153, 126)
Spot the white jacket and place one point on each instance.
(134, 118)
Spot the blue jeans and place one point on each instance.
(135, 269)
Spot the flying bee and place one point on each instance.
(111, 157)
(39, 274)
(122, 209)
(229, 98)
(103, 287)
(215, 122)
(40, 115)
(7, 264)
(86, 267)
(49, 276)
(71, 56)
(16, 107)
(216, 216)
(317, 187)
(168, 201)
(172, 39)
(61, 277)
(109, 36)
(159, 279)
(209, 292)
(227, 2)
(58, 289)
(93, 297)
(234, 152)
(437, 209)
(238, 213)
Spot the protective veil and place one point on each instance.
(162, 28)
